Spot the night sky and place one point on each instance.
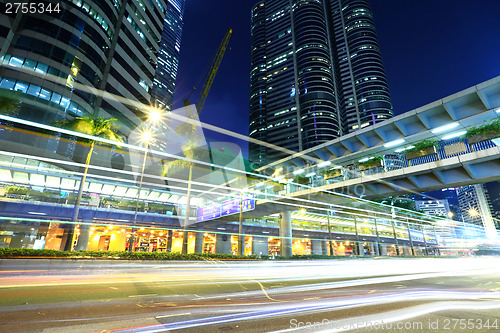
(431, 49)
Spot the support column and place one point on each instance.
(198, 242)
(83, 239)
(223, 244)
(361, 248)
(383, 250)
(260, 246)
(286, 234)
(185, 240)
(169, 240)
(241, 240)
(324, 247)
(316, 247)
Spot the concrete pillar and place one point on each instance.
(372, 248)
(286, 234)
(83, 239)
(376, 246)
(198, 245)
(405, 250)
(324, 247)
(170, 234)
(260, 245)
(383, 250)
(223, 244)
(361, 249)
(316, 247)
(241, 241)
(185, 241)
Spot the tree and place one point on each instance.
(97, 127)
(188, 130)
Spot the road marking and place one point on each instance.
(174, 315)
(132, 296)
(262, 287)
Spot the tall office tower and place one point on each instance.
(433, 207)
(59, 59)
(316, 74)
(476, 207)
(168, 58)
(493, 191)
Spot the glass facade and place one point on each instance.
(168, 58)
(316, 74)
(60, 60)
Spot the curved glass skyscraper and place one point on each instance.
(316, 74)
(59, 59)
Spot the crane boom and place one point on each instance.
(214, 67)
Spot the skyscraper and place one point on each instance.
(168, 57)
(58, 60)
(316, 74)
(476, 207)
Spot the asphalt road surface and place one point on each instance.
(358, 295)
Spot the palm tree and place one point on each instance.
(192, 139)
(90, 125)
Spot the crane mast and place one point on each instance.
(214, 67)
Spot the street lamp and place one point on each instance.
(473, 212)
(146, 136)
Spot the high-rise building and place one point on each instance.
(493, 192)
(476, 207)
(316, 74)
(446, 194)
(439, 208)
(59, 59)
(168, 57)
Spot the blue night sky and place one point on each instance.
(431, 49)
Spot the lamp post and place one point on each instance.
(146, 137)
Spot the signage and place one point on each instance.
(226, 208)
(208, 212)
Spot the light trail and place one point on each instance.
(296, 308)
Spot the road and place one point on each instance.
(359, 295)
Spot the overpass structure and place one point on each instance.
(438, 120)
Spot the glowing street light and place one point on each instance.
(473, 212)
(146, 137)
(155, 115)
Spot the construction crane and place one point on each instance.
(214, 67)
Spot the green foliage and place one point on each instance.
(372, 160)
(492, 127)
(423, 145)
(301, 180)
(17, 190)
(9, 101)
(92, 125)
(16, 253)
(399, 202)
(330, 172)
